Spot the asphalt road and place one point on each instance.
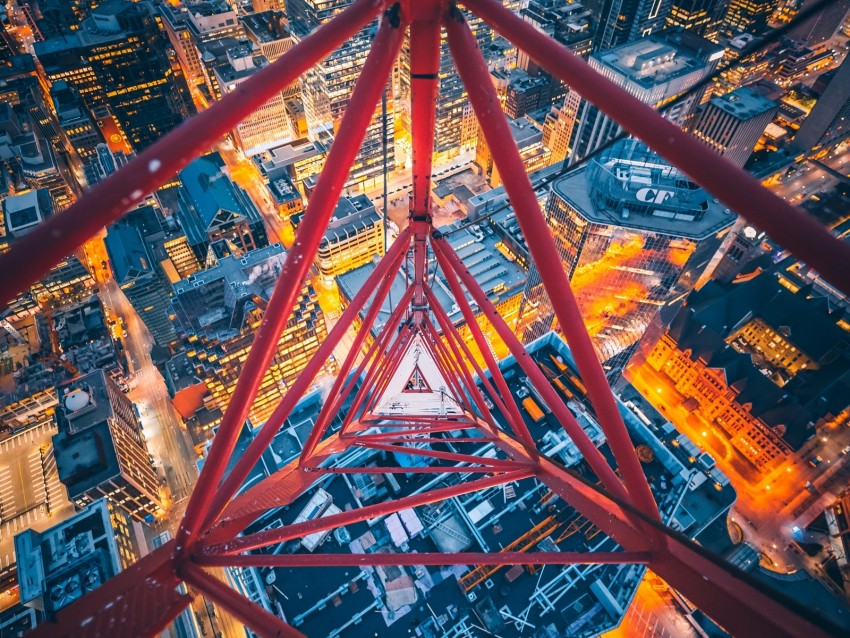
(168, 441)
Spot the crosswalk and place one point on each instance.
(8, 508)
(57, 495)
(36, 476)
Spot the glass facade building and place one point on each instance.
(634, 234)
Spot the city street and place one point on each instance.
(770, 504)
(653, 614)
(168, 442)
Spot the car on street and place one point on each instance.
(814, 462)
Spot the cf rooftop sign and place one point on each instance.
(653, 195)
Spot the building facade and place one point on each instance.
(218, 312)
(763, 362)
(624, 21)
(354, 237)
(828, 123)
(732, 124)
(654, 69)
(119, 59)
(326, 88)
(268, 125)
(529, 139)
(100, 451)
(703, 17)
(140, 276)
(634, 235)
(748, 16)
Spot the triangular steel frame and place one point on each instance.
(143, 599)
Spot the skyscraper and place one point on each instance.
(748, 16)
(703, 17)
(828, 123)
(634, 234)
(119, 58)
(138, 273)
(268, 125)
(623, 21)
(733, 123)
(100, 450)
(66, 561)
(822, 25)
(212, 208)
(455, 129)
(654, 69)
(326, 88)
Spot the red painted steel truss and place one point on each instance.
(143, 599)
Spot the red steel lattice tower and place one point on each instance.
(143, 599)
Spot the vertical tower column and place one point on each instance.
(424, 76)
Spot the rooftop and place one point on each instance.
(211, 198)
(743, 103)
(211, 299)
(654, 60)
(84, 448)
(26, 211)
(68, 560)
(499, 277)
(266, 26)
(714, 312)
(632, 187)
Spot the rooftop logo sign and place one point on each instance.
(653, 195)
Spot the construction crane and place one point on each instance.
(8, 327)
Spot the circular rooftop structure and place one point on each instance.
(76, 400)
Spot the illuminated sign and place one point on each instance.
(653, 195)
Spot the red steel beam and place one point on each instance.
(465, 353)
(380, 373)
(138, 601)
(733, 599)
(390, 469)
(367, 92)
(426, 558)
(61, 235)
(449, 367)
(385, 272)
(375, 378)
(414, 437)
(460, 366)
(381, 278)
(494, 464)
(472, 68)
(789, 226)
(251, 614)
(417, 429)
(509, 408)
(424, 78)
(452, 268)
(379, 345)
(299, 530)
